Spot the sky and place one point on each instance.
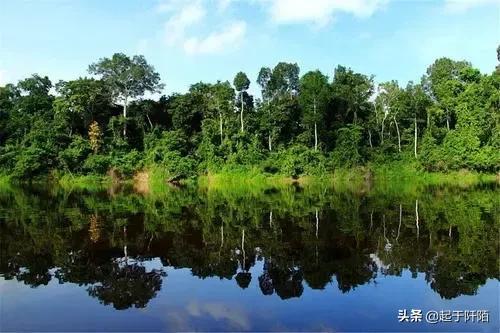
(188, 41)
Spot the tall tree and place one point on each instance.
(221, 100)
(443, 84)
(313, 98)
(263, 80)
(127, 78)
(81, 101)
(280, 87)
(241, 83)
(285, 79)
(354, 89)
(417, 104)
(390, 102)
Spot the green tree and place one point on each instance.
(281, 116)
(443, 84)
(353, 90)
(264, 80)
(417, 103)
(390, 103)
(82, 101)
(127, 78)
(241, 84)
(222, 101)
(313, 98)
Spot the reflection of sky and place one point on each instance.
(187, 303)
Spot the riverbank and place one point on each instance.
(399, 176)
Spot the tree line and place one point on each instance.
(300, 124)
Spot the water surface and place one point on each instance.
(280, 259)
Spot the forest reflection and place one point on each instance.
(306, 237)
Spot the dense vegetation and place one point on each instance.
(300, 125)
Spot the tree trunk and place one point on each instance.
(399, 136)
(371, 220)
(315, 137)
(241, 113)
(370, 138)
(243, 248)
(220, 126)
(125, 252)
(221, 236)
(416, 217)
(382, 131)
(149, 120)
(315, 128)
(125, 116)
(416, 137)
(447, 120)
(317, 223)
(400, 218)
(269, 140)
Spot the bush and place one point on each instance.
(72, 158)
(460, 150)
(158, 145)
(298, 160)
(97, 164)
(167, 151)
(347, 147)
(247, 153)
(31, 162)
(128, 163)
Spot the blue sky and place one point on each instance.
(194, 40)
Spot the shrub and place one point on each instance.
(127, 163)
(298, 160)
(73, 157)
(97, 164)
(347, 147)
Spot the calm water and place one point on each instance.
(288, 259)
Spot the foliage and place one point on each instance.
(346, 152)
(95, 136)
(298, 126)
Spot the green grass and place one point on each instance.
(394, 179)
(5, 182)
(158, 177)
(82, 182)
(398, 178)
(404, 171)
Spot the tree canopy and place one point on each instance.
(297, 124)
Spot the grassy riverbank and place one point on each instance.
(400, 176)
(399, 179)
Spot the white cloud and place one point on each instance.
(461, 6)
(222, 5)
(218, 311)
(187, 16)
(218, 41)
(319, 12)
(165, 6)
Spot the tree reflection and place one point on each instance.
(126, 285)
(308, 237)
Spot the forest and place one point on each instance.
(300, 124)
